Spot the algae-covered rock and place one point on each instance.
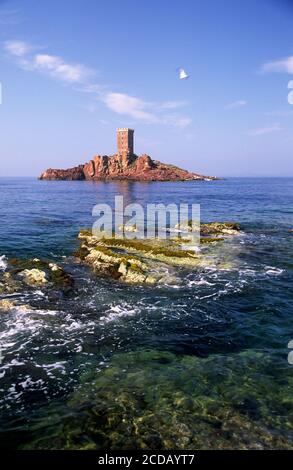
(9, 285)
(220, 228)
(209, 240)
(60, 277)
(133, 261)
(148, 261)
(150, 399)
(34, 273)
(211, 228)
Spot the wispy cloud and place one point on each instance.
(26, 57)
(122, 103)
(265, 130)
(284, 64)
(17, 48)
(53, 65)
(236, 104)
(58, 68)
(139, 109)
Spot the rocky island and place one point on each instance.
(125, 165)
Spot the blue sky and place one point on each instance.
(72, 71)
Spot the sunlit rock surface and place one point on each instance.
(148, 261)
(118, 167)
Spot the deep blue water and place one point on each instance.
(43, 217)
(221, 313)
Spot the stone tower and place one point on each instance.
(125, 142)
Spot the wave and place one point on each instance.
(117, 311)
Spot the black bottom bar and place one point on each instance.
(137, 459)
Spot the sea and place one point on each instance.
(202, 364)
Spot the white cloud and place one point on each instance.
(236, 104)
(78, 75)
(52, 65)
(266, 130)
(129, 105)
(141, 110)
(17, 48)
(281, 65)
(58, 68)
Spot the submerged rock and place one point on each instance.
(151, 399)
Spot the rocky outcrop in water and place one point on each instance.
(212, 228)
(71, 174)
(149, 261)
(33, 273)
(118, 167)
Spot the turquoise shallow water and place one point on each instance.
(202, 364)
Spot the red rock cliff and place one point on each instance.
(126, 167)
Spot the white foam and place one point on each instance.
(75, 325)
(209, 296)
(200, 282)
(3, 263)
(248, 272)
(55, 365)
(272, 271)
(46, 312)
(22, 320)
(118, 311)
(266, 271)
